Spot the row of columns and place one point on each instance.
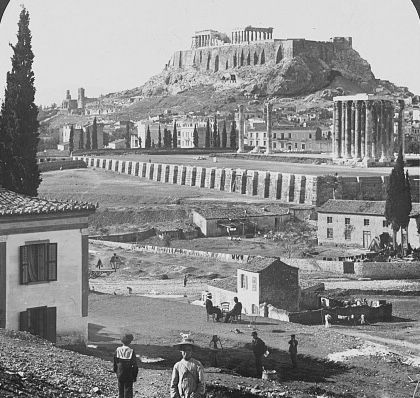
(250, 34)
(364, 130)
(204, 40)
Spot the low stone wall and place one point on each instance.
(394, 270)
(126, 237)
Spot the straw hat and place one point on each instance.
(186, 340)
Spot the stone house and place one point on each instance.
(44, 266)
(118, 144)
(237, 221)
(357, 222)
(260, 280)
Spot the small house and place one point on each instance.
(44, 266)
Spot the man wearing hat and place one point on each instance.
(125, 366)
(211, 309)
(293, 343)
(188, 374)
(259, 348)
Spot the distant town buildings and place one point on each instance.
(80, 136)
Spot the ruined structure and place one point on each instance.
(364, 129)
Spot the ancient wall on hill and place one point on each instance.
(285, 187)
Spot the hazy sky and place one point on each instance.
(108, 45)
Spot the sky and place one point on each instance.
(107, 45)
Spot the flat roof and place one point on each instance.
(240, 213)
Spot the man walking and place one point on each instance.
(293, 343)
(259, 348)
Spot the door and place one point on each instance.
(40, 321)
(366, 239)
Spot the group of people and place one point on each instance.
(187, 380)
(211, 309)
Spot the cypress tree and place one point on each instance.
(94, 134)
(195, 137)
(207, 138)
(148, 140)
(88, 143)
(175, 137)
(224, 135)
(127, 136)
(159, 138)
(19, 134)
(216, 138)
(398, 200)
(71, 139)
(233, 135)
(82, 139)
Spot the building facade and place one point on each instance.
(44, 267)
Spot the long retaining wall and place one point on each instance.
(285, 187)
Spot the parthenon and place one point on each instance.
(364, 128)
(250, 34)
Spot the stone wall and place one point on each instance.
(285, 187)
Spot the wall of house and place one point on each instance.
(65, 294)
(249, 293)
(279, 286)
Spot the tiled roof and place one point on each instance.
(258, 263)
(228, 283)
(235, 212)
(12, 204)
(367, 207)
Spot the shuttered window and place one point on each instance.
(38, 263)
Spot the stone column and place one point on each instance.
(337, 130)
(401, 137)
(362, 129)
(252, 35)
(384, 132)
(241, 121)
(357, 151)
(369, 132)
(390, 146)
(353, 130)
(343, 127)
(374, 129)
(268, 150)
(347, 153)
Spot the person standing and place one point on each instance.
(187, 379)
(125, 366)
(327, 320)
(185, 280)
(215, 340)
(211, 309)
(259, 348)
(114, 261)
(293, 343)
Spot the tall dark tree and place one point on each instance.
(224, 135)
(233, 135)
(88, 141)
(139, 142)
(82, 139)
(148, 140)
(216, 137)
(71, 139)
(106, 139)
(175, 137)
(159, 138)
(195, 137)
(207, 137)
(19, 134)
(94, 134)
(127, 135)
(398, 200)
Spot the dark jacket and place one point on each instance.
(125, 364)
(237, 309)
(209, 306)
(259, 347)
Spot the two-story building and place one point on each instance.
(260, 280)
(357, 222)
(44, 282)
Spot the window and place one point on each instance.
(310, 136)
(254, 283)
(329, 220)
(274, 135)
(38, 263)
(251, 142)
(265, 143)
(282, 136)
(366, 222)
(347, 234)
(179, 134)
(347, 221)
(265, 135)
(385, 224)
(303, 146)
(295, 145)
(290, 135)
(274, 145)
(330, 233)
(244, 281)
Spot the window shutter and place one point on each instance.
(24, 321)
(24, 277)
(52, 261)
(41, 262)
(51, 334)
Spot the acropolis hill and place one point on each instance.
(261, 64)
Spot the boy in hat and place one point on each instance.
(125, 366)
(188, 374)
(293, 343)
(259, 348)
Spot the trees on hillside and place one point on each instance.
(398, 200)
(216, 136)
(207, 137)
(175, 137)
(224, 135)
(71, 139)
(19, 134)
(195, 137)
(94, 134)
(233, 135)
(148, 140)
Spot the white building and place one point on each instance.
(44, 266)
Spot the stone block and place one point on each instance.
(297, 188)
(121, 166)
(157, 171)
(285, 187)
(101, 163)
(219, 180)
(115, 164)
(230, 180)
(275, 185)
(134, 168)
(190, 176)
(251, 182)
(200, 178)
(210, 177)
(165, 173)
(310, 190)
(149, 170)
(143, 169)
(173, 174)
(240, 180)
(182, 172)
(263, 184)
(108, 164)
